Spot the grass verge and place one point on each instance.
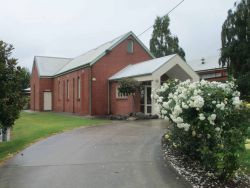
(245, 161)
(31, 127)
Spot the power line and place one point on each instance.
(162, 16)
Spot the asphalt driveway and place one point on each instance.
(126, 155)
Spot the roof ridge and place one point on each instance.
(93, 49)
(53, 57)
(101, 45)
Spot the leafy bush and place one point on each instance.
(209, 123)
(129, 86)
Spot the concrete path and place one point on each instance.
(126, 155)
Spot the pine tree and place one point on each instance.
(235, 38)
(235, 51)
(162, 42)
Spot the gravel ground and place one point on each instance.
(193, 172)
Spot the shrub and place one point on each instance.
(209, 122)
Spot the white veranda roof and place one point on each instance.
(143, 68)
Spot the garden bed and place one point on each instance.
(197, 176)
(133, 116)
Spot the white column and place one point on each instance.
(155, 84)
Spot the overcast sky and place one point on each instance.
(68, 28)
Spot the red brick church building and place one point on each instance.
(87, 84)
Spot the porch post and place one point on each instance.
(155, 84)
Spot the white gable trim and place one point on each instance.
(176, 60)
(121, 40)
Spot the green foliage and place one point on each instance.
(25, 77)
(162, 42)
(11, 99)
(209, 123)
(31, 127)
(243, 83)
(235, 38)
(129, 86)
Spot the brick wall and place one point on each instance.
(122, 106)
(34, 93)
(107, 66)
(72, 103)
(95, 77)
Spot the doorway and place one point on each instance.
(146, 100)
(47, 101)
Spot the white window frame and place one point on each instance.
(78, 88)
(119, 95)
(67, 87)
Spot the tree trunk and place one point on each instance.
(4, 134)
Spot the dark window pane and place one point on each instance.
(149, 95)
(149, 109)
(142, 108)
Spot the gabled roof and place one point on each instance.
(49, 66)
(142, 68)
(87, 59)
(208, 63)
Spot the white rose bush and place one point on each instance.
(209, 123)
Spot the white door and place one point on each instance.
(148, 100)
(47, 101)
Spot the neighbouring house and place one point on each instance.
(87, 84)
(209, 69)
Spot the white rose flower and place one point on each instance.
(213, 117)
(201, 117)
(217, 129)
(166, 118)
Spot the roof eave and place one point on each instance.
(211, 69)
(72, 70)
(134, 76)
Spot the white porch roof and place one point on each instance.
(172, 65)
(143, 68)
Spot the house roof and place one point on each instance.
(49, 66)
(89, 58)
(142, 68)
(209, 63)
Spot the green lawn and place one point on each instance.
(31, 127)
(246, 158)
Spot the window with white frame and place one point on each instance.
(67, 87)
(78, 87)
(59, 93)
(120, 95)
(211, 75)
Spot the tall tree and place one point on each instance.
(25, 77)
(11, 98)
(235, 38)
(162, 42)
(235, 51)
